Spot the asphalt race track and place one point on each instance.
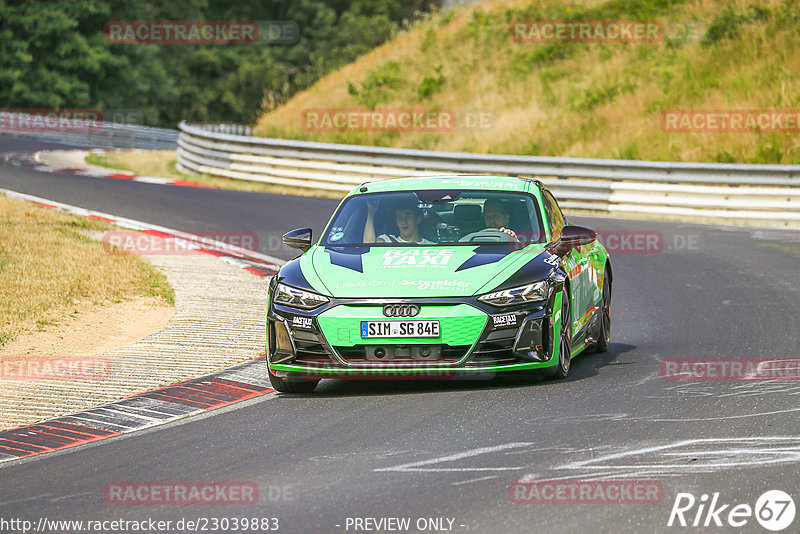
(445, 449)
(189, 209)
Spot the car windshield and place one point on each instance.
(436, 217)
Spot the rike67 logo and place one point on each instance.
(774, 510)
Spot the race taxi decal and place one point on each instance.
(301, 322)
(505, 320)
(428, 257)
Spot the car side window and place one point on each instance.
(555, 219)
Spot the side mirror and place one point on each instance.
(571, 237)
(299, 238)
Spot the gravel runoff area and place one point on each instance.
(71, 159)
(219, 321)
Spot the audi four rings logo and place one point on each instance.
(400, 310)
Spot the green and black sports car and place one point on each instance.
(446, 276)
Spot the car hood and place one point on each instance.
(437, 271)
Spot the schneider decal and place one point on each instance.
(455, 285)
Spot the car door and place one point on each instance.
(575, 264)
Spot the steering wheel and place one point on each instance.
(488, 235)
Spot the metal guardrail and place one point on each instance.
(91, 134)
(768, 193)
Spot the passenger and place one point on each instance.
(408, 218)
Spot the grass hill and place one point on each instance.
(600, 99)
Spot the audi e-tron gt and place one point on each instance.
(438, 277)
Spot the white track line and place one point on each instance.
(139, 225)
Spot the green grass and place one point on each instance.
(576, 99)
(48, 265)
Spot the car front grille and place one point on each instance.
(358, 355)
(310, 350)
(496, 349)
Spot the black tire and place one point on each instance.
(604, 330)
(292, 386)
(561, 369)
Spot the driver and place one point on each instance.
(408, 218)
(496, 216)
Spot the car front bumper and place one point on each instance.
(475, 339)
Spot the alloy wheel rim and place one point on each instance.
(565, 335)
(606, 313)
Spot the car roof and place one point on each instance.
(446, 181)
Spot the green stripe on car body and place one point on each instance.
(459, 324)
(384, 369)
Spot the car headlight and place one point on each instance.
(298, 298)
(517, 295)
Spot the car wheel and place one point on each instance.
(604, 330)
(292, 386)
(561, 370)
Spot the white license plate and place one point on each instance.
(375, 329)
